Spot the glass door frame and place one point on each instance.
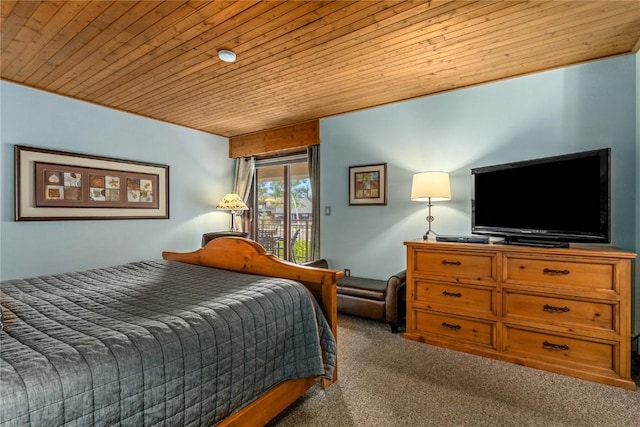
(284, 244)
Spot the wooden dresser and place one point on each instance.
(562, 310)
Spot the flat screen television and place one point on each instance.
(549, 201)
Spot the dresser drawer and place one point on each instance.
(456, 265)
(456, 328)
(559, 311)
(558, 349)
(558, 272)
(454, 297)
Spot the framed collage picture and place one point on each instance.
(368, 185)
(56, 185)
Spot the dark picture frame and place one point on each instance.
(60, 185)
(368, 185)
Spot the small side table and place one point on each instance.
(207, 237)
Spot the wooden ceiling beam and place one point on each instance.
(275, 140)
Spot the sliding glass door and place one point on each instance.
(282, 216)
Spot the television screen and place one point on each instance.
(562, 198)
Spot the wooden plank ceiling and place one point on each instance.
(297, 60)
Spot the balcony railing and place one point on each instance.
(271, 236)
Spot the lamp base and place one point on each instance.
(426, 235)
(430, 219)
(233, 221)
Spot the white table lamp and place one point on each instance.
(429, 187)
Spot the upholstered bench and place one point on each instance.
(374, 299)
(380, 300)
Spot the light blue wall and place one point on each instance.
(561, 111)
(200, 174)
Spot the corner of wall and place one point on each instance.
(636, 297)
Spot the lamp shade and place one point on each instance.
(232, 202)
(430, 186)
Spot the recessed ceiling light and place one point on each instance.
(226, 55)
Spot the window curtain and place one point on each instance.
(245, 168)
(313, 159)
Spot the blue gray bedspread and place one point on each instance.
(153, 343)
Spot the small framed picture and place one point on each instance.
(368, 185)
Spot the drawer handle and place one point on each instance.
(451, 294)
(445, 262)
(555, 272)
(552, 309)
(450, 326)
(555, 347)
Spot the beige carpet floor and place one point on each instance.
(385, 380)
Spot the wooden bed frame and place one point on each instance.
(248, 256)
